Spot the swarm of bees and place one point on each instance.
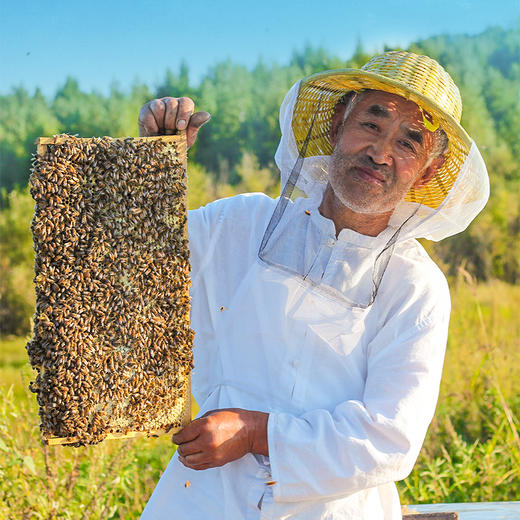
(112, 344)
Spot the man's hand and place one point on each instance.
(221, 436)
(164, 116)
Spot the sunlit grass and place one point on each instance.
(471, 453)
(111, 480)
(472, 450)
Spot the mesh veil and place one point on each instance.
(280, 235)
(300, 241)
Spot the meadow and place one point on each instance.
(471, 453)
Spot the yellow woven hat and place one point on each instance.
(414, 77)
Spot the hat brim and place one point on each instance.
(318, 96)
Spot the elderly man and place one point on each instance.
(320, 322)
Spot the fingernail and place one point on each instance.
(181, 124)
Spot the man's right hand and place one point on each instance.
(164, 116)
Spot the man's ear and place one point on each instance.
(336, 123)
(428, 173)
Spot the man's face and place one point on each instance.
(381, 150)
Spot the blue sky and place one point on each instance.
(101, 42)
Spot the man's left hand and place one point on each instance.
(221, 436)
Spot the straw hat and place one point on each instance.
(414, 77)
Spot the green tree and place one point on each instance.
(176, 85)
(226, 92)
(23, 119)
(17, 295)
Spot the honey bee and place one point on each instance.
(98, 343)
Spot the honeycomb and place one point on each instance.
(111, 343)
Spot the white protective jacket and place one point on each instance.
(350, 391)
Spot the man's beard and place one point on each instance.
(358, 194)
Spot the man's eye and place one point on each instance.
(408, 145)
(370, 125)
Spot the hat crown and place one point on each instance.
(420, 74)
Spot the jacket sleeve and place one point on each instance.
(362, 444)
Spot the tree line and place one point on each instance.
(234, 152)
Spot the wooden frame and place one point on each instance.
(55, 441)
(180, 139)
(431, 516)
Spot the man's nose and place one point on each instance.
(380, 151)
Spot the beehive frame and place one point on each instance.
(114, 210)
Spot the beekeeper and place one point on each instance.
(320, 321)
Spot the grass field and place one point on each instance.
(472, 450)
(471, 453)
